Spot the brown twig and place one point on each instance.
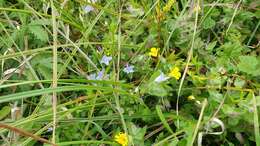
(170, 121)
(25, 133)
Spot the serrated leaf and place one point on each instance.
(39, 32)
(211, 46)
(137, 134)
(208, 23)
(249, 65)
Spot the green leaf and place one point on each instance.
(257, 100)
(229, 110)
(39, 32)
(208, 23)
(239, 82)
(211, 46)
(137, 134)
(41, 22)
(4, 112)
(46, 72)
(157, 89)
(256, 122)
(154, 88)
(249, 65)
(174, 142)
(162, 118)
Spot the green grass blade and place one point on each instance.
(86, 142)
(22, 95)
(162, 118)
(256, 122)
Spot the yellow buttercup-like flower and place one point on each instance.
(121, 138)
(154, 52)
(191, 97)
(175, 72)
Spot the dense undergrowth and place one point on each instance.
(129, 72)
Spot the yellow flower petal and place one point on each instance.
(191, 97)
(121, 138)
(154, 52)
(175, 73)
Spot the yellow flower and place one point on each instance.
(121, 138)
(191, 97)
(175, 72)
(154, 52)
(196, 8)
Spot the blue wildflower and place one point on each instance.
(161, 78)
(88, 8)
(98, 76)
(106, 59)
(129, 69)
(49, 129)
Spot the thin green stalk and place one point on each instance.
(256, 122)
(160, 143)
(93, 104)
(86, 142)
(54, 70)
(38, 13)
(253, 34)
(118, 107)
(233, 16)
(190, 53)
(39, 50)
(190, 142)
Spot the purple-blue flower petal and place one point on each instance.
(88, 8)
(161, 78)
(129, 69)
(106, 59)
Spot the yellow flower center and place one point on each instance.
(121, 138)
(154, 52)
(175, 72)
